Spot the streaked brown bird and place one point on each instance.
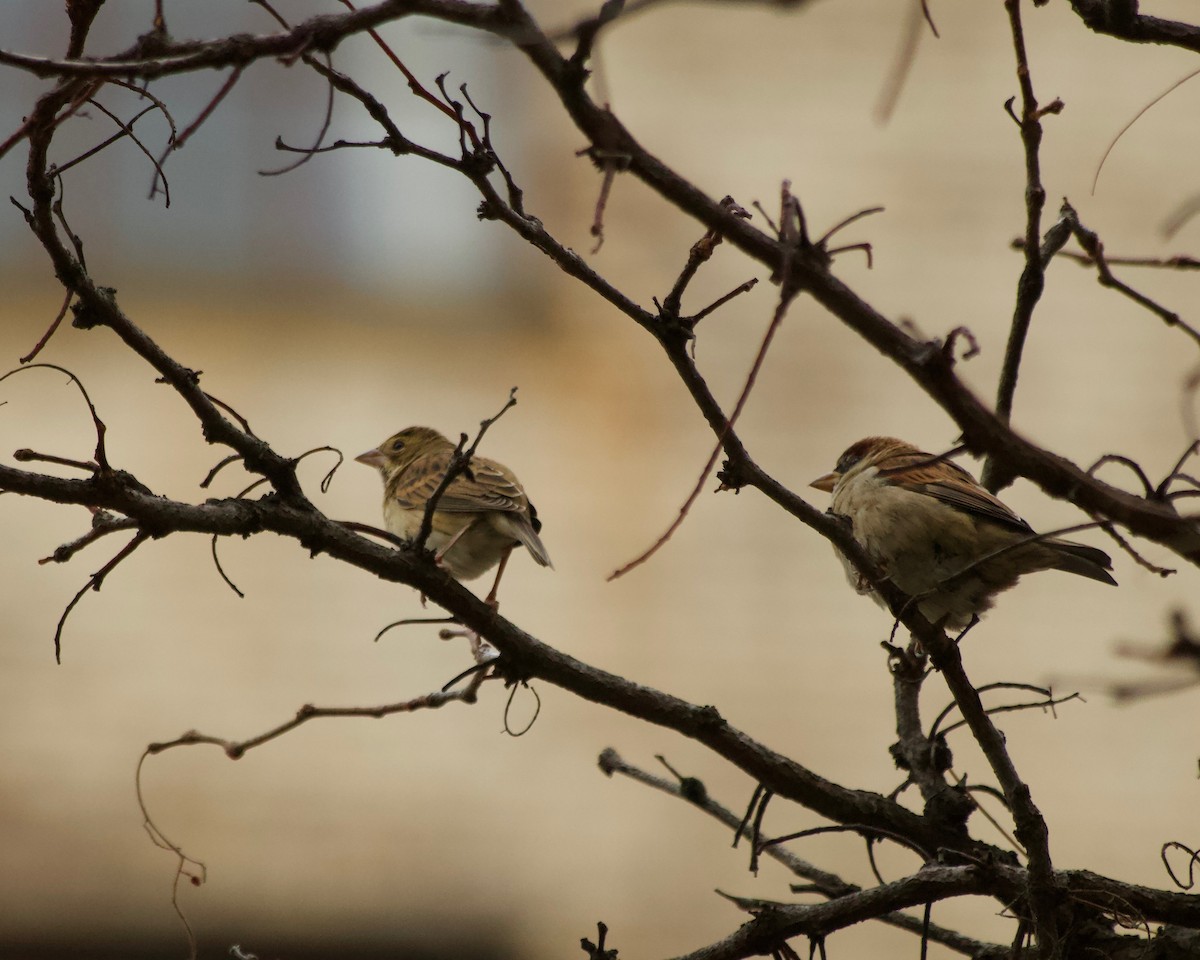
(477, 520)
(924, 521)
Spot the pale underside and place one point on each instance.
(482, 515)
(474, 552)
(923, 544)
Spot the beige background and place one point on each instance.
(436, 826)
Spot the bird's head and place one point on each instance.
(401, 449)
(860, 456)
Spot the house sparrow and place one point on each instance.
(479, 517)
(923, 519)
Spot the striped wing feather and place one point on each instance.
(964, 494)
(485, 486)
(918, 474)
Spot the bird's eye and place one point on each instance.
(397, 446)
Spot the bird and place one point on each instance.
(477, 521)
(924, 520)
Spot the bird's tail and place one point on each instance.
(533, 543)
(519, 528)
(1079, 558)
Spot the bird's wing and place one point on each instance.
(958, 490)
(486, 485)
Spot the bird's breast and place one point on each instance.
(916, 538)
(476, 544)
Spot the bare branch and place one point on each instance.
(820, 881)
(127, 130)
(996, 475)
(1094, 249)
(459, 464)
(236, 749)
(1123, 20)
(787, 293)
(102, 524)
(187, 867)
(700, 253)
(1042, 898)
(94, 583)
(102, 464)
(37, 347)
(779, 922)
(177, 142)
(906, 56)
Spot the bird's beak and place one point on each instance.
(825, 483)
(372, 458)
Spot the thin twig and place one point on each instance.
(1177, 262)
(1094, 248)
(822, 881)
(934, 729)
(177, 142)
(212, 474)
(413, 83)
(221, 570)
(127, 129)
(1048, 704)
(95, 581)
(788, 292)
(1134, 119)
(459, 463)
(103, 144)
(194, 870)
(962, 571)
(995, 476)
(741, 288)
(859, 828)
(609, 163)
(25, 455)
(102, 524)
(412, 622)
(37, 347)
(698, 255)
(236, 749)
(102, 464)
(312, 151)
(902, 63)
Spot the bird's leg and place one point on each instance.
(974, 620)
(896, 623)
(491, 600)
(437, 557)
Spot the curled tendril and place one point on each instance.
(508, 707)
(101, 456)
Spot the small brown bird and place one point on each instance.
(478, 519)
(925, 519)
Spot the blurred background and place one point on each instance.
(358, 294)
